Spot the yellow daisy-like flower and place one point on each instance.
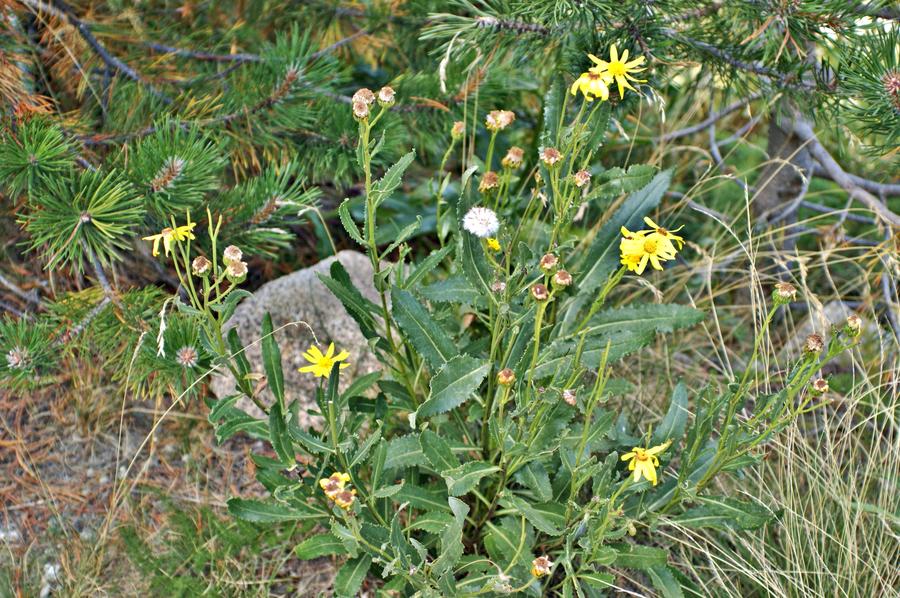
(668, 234)
(619, 69)
(493, 244)
(643, 461)
(648, 246)
(334, 484)
(323, 362)
(344, 499)
(169, 235)
(593, 84)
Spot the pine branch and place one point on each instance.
(203, 56)
(837, 174)
(61, 10)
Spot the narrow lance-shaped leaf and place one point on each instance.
(421, 330)
(271, 355)
(453, 384)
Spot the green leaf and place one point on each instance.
(361, 385)
(278, 435)
(347, 221)
(358, 307)
(451, 539)
(666, 317)
(534, 477)
(598, 580)
(313, 547)
(553, 112)
(350, 576)
(267, 512)
(427, 266)
(421, 330)
(383, 188)
(616, 181)
(432, 522)
(602, 258)
(673, 424)
(546, 518)
(453, 384)
(664, 580)
(388, 491)
(464, 478)
(363, 451)
(510, 541)
(475, 266)
(633, 556)
(271, 355)
(404, 451)
(437, 451)
(456, 289)
(726, 514)
(422, 498)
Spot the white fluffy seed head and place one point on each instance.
(481, 222)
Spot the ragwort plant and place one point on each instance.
(487, 457)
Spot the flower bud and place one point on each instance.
(489, 181)
(550, 156)
(814, 344)
(569, 397)
(539, 292)
(562, 279)
(498, 286)
(513, 158)
(236, 272)
(854, 325)
(820, 386)
(360, 110)
(548, 262)
(386, 96)
(458, 130)
(363, 95)
(582, 178)
(506, 377)
(232, 253)
(784, 293)
(200, 266)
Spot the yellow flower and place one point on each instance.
(493, 244)
(334, 483)
(171, 235)
(344, 499)
(618, 68)
(643, 461)
(592, 84)
(322, 363)
(668, 234)
(648, 246)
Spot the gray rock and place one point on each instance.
(310, 315)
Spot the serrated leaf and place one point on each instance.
(348, 223)
(545, 518)
(427, 266)
(271, 355)
(674, 422)
(423, 498)
(666, 317)
(451, 539)
(267, 512)
(404, 451)
(616, 181)
(510, 541)
(726, 514)
(453, 385)
(363, 451)
(432, 522)
(278, 435)
(475, 266)
(456, 289)
(388, 491)
(350, 576)
(598, 580)
(313, 547)
(534, 477)
(634, 556)
(387, 184)
(464, 478)
(420, 329)
(437, 451)
(664, 580)
(358, 307)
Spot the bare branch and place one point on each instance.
(867, 184)
(711, 120)
(837, 174)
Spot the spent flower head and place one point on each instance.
(497, 120)
(458, 129)
(201, 266)
(360, 110)
(581, 178)
(506, 377)
(814, 344)
(364, 95)
(550, 156)
(820, 386)
(513, 157)
(548, 262)
(562, 279)
(236, 272)
(489, 181)
(854, 325)
(232, 253)
(569, 397)
(541, 566)
(334, 483)
(784, 293)
(539, 292)
(17, 358)
(481, 222)
(386, 96)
